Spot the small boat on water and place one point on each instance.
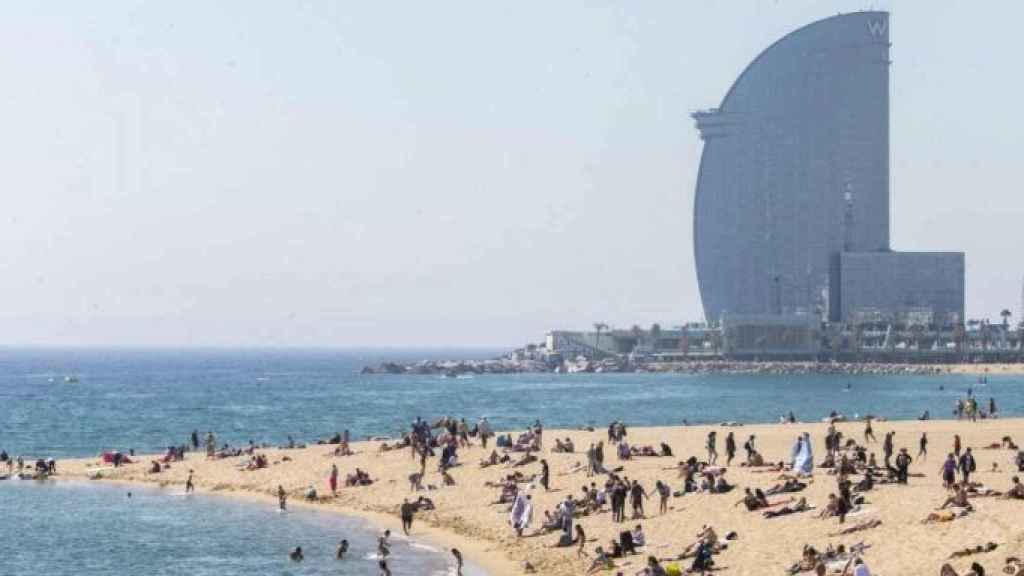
(72, 379)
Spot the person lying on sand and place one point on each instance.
(800, 506)
(944, 516)
(976, 570)
(792, 485)
(858, 528)
(971, 551)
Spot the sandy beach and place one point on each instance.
(465, 517)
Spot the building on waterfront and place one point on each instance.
(791, 213)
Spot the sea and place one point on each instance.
(80, 402)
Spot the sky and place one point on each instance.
(365, 174)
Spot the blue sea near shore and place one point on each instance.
(147, 399)
(80, 528)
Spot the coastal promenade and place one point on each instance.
(465, 517)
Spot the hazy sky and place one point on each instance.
(434, 173)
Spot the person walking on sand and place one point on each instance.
(545, 475)
(332, 480)
(957, 446)
(922, 450)
(189, 486)
(730, 448)
(282, 498)
(406, 511)
(869, 434)
(712, 451)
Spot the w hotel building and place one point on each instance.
(791, 213)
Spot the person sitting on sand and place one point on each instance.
(837, 507)
(752, 501)
(958, 499)
(565, 447)
(601, 561)
(1016, 491)
(653, 568)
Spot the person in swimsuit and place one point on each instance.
(869, 434)
(296, 555)
(712, 450)
(730, 448)
(545, 475)
(922, 450)
(342, 550)
(282, 497)
(189, 486)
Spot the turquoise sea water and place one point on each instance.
(78, 528)
(146, 400)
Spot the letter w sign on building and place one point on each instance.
(877, 27)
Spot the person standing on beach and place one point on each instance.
(948, 472)
(712, 451)
(189, 486)
(869, 434)
(637, 495)
(406, 512)
(956, 445)
(730, 448)
(902, 466)
(458, 561)
(967, 465)
(483, 428)
(282, 498)
(195, 440)
(749, 447)
(923, 446)
(332, 480)
(545, 475)
(887, 447)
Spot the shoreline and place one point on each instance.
(475, 552)
(465, 517)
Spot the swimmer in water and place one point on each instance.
(342, 549)
(296, 555)
(458, 561)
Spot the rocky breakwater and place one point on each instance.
(456, 368)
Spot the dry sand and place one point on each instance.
(465, 517)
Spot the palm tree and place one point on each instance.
(655, 335)
(638, 333)
(599, 327)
